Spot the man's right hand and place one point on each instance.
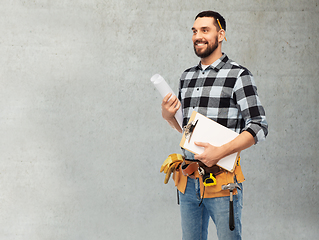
(169, 109)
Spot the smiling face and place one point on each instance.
(205, 37)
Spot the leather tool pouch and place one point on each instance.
(189, 168)
(222, 177)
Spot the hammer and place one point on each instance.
(231, 187)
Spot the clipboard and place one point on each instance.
(202, 129)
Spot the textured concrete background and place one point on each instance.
(82, 138)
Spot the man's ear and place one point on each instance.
(221, 35)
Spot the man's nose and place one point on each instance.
(198, 36)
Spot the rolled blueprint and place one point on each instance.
(164, 89)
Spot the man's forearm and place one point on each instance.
(174, 124)
(241, 142)
(213, 154)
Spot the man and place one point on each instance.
(225, 92)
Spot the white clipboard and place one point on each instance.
(207, 130)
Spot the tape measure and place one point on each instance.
(209, 180)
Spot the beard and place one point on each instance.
(208, 51)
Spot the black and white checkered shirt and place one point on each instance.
(226, 93)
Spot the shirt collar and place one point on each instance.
(217, 65)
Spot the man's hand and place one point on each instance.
(169, 109)
(211, 154)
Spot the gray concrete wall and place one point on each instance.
(82, 138)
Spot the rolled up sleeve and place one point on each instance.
(252, 111)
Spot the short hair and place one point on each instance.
(214, 15)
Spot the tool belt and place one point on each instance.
(223, 177)
(208, 174)
(189, 168)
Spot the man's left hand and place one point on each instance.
(211, 154)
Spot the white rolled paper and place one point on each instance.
(164, 89)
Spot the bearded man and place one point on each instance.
(225, 92)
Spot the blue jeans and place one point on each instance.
(195, 218)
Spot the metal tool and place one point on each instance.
(189, 128)
(231, 187)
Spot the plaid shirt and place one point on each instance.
(226, 93)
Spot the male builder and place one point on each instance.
(225, 92)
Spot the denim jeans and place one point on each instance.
(195, 218)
